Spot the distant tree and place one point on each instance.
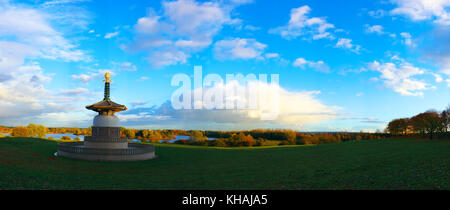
(260, 142)
(338, 138)
(290, 136)
(66, 138)
(129, 133)
(77, 139)
(197, 136)
(398, 126)
(77, 131)
(145, 134)
(248, 141)
(218, 143)
(427, 123)
(37, 131)
(445, 117)
(20, 132)
(306, 139)
(154, 136)
(235, 140)
(32, 130)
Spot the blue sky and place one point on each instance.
(346, 65)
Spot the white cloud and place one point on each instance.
(300, 62)
(167, 58)
(111, 35)
(407, 39)
(148, 25)
(419, 10)
(138, 103)
(22, 22)
(238, 48)
(296, 109)
(347, 44)
(446, 70)
(378, 29)
(59, 2)
(377, 13)
(67, 14)
(319, 65)
(183, 27)
(192, 44)
(242, 1)
(143, 78)
(190, 17)
(75, 92)
(127, 66)
(32, 28)
(272, 55)
(24, 96)
(30, 34)
(252, 28)
(399, 77)
(300, 24)
(438, 78)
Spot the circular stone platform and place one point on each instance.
(134, 152)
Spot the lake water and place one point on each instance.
(56, 135)
(59, 135)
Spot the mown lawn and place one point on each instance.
(379, 164)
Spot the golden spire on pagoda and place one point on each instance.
(107, 77)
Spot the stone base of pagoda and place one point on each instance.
(134, 152)
(105, 144)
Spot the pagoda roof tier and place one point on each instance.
(106, 105)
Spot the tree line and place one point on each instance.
(39, 131)
(146, 135)
(32, 130)
(430, 123)
(273, 137)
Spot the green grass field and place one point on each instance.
(382, 164)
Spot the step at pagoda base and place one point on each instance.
(134, 152)
(105, 142)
